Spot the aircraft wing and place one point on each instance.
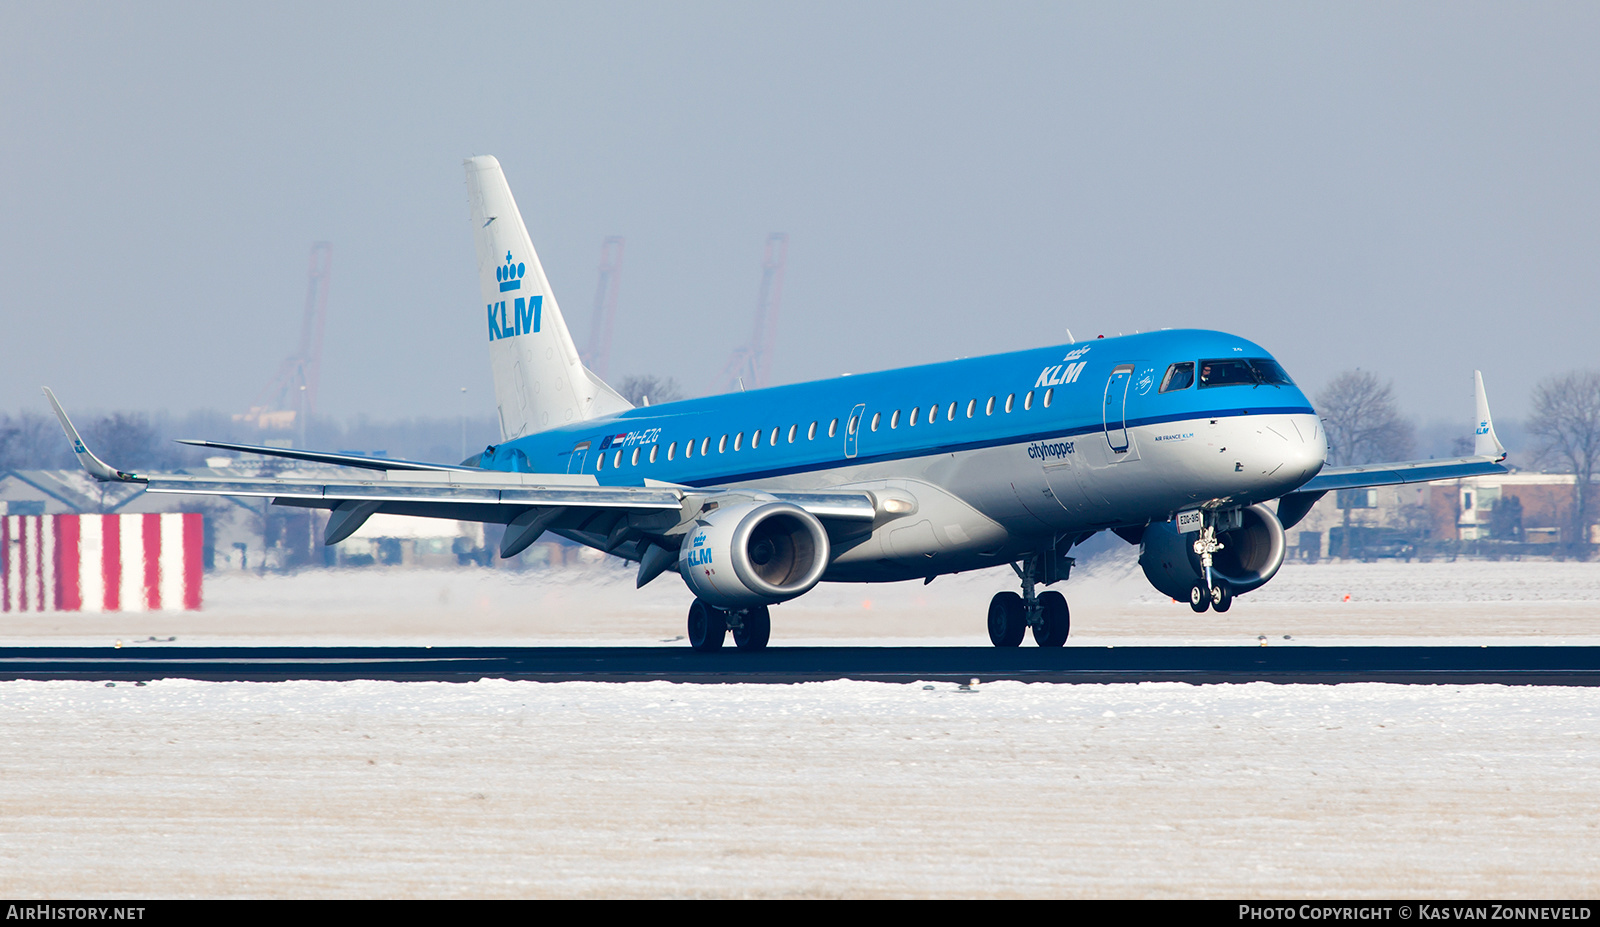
(528, 503)
(1409, 471)
(635, 522)
(1487, 459)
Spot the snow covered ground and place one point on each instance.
(816, 790)
(496, 788)
(1462, 602)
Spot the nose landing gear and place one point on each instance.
(1211, 591)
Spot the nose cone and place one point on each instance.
(1286, 451)
(1306, 450)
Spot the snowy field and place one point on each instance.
(841, 789)
(1465, 602)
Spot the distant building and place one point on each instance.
(1520, 507)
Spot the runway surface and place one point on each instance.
(1513, 665)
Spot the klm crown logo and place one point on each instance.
(510, 274)
(523, 315)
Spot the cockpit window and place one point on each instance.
(1179, 376)
(1239, 371)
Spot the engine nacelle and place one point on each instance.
(757, 554)
(1250, 555)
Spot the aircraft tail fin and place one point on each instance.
(539, 381)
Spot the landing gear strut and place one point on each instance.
(1011, 615)
(1211, 591)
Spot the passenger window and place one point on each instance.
(1027, 400)
(876, 418)
(722, 444)
(600, 462)
(755, 439)
(972, 406)
(688, 450)
(914, 411)
(950, 413)
(1179, 376)
(1011, 401)
(617, 460)
(851, 428)
(774, 440)
(738, 441)
(811, 433)
(1049, 394)
(833, 428)
(705, 446)
(988, 408)
(933, 413)
(653, 449)
(894, 420)
(793, 430)
(633, 459)
(672, 450)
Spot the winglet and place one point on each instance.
(97, 468)
(1485, 444)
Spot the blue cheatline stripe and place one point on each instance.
(936, 449)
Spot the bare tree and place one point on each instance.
(1362, 422)
(635, 389)
(32, 441)
(1566, 420)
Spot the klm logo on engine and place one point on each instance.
(523, 318)
(699, 554)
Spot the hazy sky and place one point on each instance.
(1407, 188)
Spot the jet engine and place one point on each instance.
(757, 554)
(1251, 554)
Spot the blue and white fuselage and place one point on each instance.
(1005, 450)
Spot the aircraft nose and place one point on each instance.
(1291, 450)
(1309, 453)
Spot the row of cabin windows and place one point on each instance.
(952, 411)
(776, 434)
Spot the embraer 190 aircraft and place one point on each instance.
(1175, 440)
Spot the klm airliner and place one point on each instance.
(1177, 441)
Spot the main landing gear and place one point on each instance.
(1011, 615)
(1212, 591)
(709, 627)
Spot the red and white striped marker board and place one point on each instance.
(101, 563)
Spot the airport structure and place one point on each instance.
(95, 563)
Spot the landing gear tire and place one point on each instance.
(1008, 619)
(707, 627)
(754, 629)
(1199, 597)
(1221, 597)
(1055, 621)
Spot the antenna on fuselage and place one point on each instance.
(1070, 339)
